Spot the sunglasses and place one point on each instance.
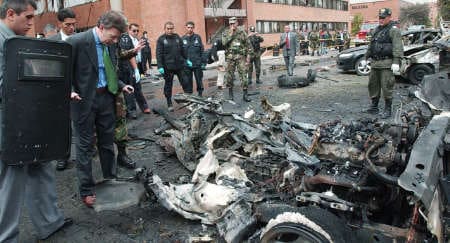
(381, 17)
(136, 31)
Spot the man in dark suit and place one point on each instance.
(95, 85)
(66, 23)
(289, 43)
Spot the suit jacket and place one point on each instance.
(85, 72)
(293, 44)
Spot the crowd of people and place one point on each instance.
(109, 62)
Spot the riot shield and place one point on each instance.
(36, 101)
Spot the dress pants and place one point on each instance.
(168, 82)
(34, 185)
(289, 62)
(136, 97)
(101, 121)
(198, 73)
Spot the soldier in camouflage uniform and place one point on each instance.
(313, 38)
(385, 50)
(238, 50)
(255, 39)
(120, 130)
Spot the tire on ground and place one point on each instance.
(312, 223)
(417, 72)
(360, 72)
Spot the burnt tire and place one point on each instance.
(360, 69)
(418, 72)
(306, 224)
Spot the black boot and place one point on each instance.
(250, 80)
(387, 109)
(200, 93)
(169, 103)
(245, 96)
(373, 109)
(230, 93)
(258, 81)
(122, 157)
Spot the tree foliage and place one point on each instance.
(444, 9)
(356, 23)
(416, 14)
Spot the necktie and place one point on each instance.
(111, 75)
(287, 40)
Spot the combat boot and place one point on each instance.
(230, 93)
(373, 109)
(245, 96)
(258, 81)
(387, 109)
(122, 157)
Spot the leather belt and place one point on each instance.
(101, 90)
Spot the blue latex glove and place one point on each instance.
(137, 75)
(161, 71)
(203, 67)
(189, 63)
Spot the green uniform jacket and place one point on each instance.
(237, 44)
(397, 50)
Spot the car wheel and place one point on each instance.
(360, 69)
(417, 72)
(309, 224)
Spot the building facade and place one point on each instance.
(209, 16)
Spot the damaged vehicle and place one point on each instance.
(421, 56)
(262, 177)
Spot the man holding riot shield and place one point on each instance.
(32, 183)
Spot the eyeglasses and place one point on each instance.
(381, 17)
(136, 31)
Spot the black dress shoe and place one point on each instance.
(61, 164)
(67, 222)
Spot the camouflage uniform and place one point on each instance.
(313, 38)
(255, 58)
(237, 49)
(385, 49)
(346, 40)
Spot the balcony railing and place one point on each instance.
(221, 12)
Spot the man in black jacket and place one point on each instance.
(146, 53)
(193, 50)
(171, 60)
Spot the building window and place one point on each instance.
(329, 4)
(71, 3)
(272, 27)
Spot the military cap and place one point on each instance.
(232, 20)
(384, 12)
(252, 28)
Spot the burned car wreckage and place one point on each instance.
(262, 177)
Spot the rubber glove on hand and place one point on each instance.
(395, 69)
(137, 75)
(161, 71)
(189, 63)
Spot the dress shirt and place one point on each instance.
(101, 66)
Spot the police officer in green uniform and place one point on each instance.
(313, 38)
(385, 50)
(255, 59)
(238, 50)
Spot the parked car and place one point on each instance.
(418, 60)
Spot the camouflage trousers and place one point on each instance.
(381, 79)
(234, 63)
(254, 60)
(121, 131)
(314, 46)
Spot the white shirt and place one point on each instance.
(135, 42)
(63, 36)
